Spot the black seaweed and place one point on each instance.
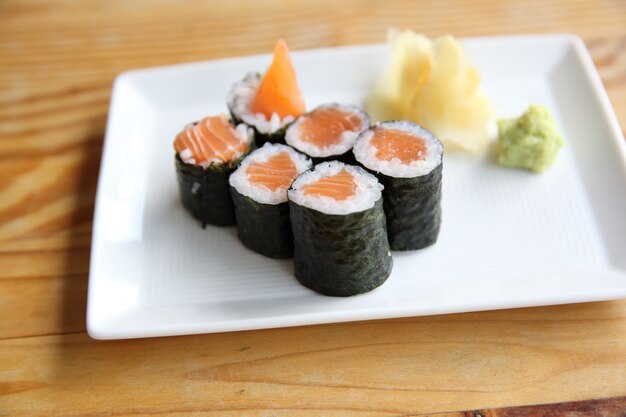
(413, 209)
(347, 158)
(205, 193)
(263, 228)
(340, 255)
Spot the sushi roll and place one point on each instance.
(408, 161)
(207, 152)
(259, 192)
(328, 132)
(340, 238)
(271, 102)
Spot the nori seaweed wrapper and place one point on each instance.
(263, 228)
(340, 255)
(413, 209)
(346, 157)
(205, 193)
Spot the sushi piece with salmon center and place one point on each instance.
(408, 161)
(259, 191)
(328, 132)
(271, 102)
(207, 152)
(340, 238)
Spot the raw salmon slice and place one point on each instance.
(279, 171)
(338, 187)
(323, 127)
(212, 139)
(279, 91)
(393, 143)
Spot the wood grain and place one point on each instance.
(386, 368)
(57, 63)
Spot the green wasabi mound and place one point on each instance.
(531, 141)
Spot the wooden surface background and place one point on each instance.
(57, 62)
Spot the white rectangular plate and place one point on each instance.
(509, 238)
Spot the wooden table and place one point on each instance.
(57, 62)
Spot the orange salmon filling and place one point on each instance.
(392, 143)
(338, 187)
(210, 139)
(279, 171)
(324, 127)
(279, 91)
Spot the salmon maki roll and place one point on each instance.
(271, 102)
(328, 132)
(408, 161)
(207, 152)
(259, 191)
(340, 238)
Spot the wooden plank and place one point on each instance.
(43, 195)
(37, 305)
(389, 367)
(46, 207)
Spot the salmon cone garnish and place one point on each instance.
(279, 91)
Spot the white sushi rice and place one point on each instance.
(365, 152)
(239, 179)
(368, 190)
(239, 100)
(294, 138)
